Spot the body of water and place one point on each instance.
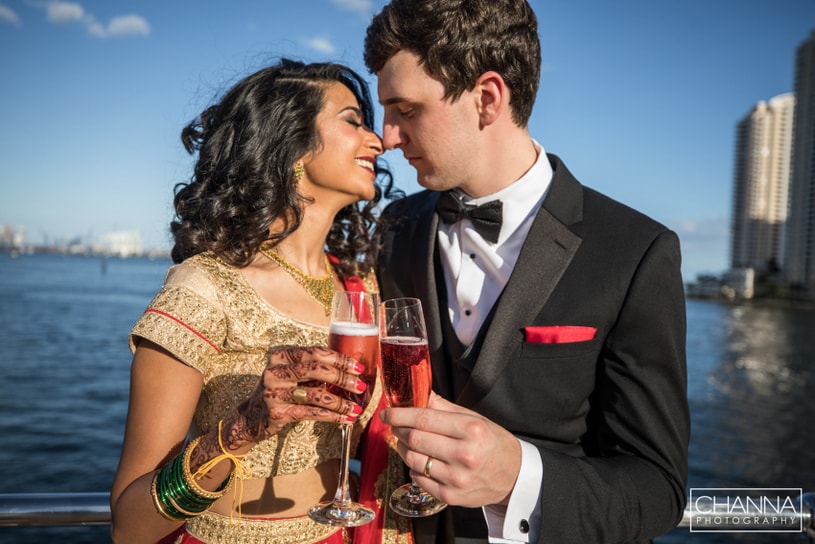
(64, 373)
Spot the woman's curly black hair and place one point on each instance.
(244, 179)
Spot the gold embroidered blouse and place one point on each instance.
(210, 318)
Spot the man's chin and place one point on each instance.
(433, 183)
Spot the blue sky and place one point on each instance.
(640, 98)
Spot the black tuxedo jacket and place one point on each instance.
(609, 415)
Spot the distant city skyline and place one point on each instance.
(763, 162)
(641, 99)
(799, 253)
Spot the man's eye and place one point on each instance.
(406, 113)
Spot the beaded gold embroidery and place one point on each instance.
(210, 318)
(214, 528)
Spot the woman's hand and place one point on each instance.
(302, 383)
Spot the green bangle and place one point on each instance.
(180, 490)
(172, 496)
(161, 508)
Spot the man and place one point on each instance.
(556, 316)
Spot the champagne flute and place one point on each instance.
(354, 332)
(407, 382)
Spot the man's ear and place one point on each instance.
(492, 97)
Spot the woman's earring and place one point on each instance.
(299, 170)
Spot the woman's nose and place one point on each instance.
(375, 143)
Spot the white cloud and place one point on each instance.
(60, 12)
(7, 15)
(362, 6)
(64, 12)
(322, 45)
(128, 25)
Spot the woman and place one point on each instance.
(284, 159)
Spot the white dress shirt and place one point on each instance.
(475, 273)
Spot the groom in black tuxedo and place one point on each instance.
(556, 316)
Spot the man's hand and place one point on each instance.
(474, 461)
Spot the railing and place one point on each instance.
(30, 509)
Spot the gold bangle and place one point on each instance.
(239, 471)
(180, 510)
(157, 502)
(189, 479)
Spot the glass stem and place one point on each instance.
(343, 494)
(415, 492)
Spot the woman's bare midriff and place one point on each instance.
(281, 496)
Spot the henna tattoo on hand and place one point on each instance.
(255, 419)
(206, 449)
(292, 363)
(333, 402)
(271, 406)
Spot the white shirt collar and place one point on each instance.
(522, 197)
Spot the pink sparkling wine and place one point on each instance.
(360, 341)
(406, 369)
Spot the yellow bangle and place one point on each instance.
(157, 502)
(180, 510)
(240, 470)
(189, 478)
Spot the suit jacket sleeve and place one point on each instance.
(631, 486)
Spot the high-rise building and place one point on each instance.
(799, 261)
(761, 185)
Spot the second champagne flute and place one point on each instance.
(407, 382)
(354, 332)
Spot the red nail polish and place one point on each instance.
(361, 386)
(350, 418)
(356, 410)
(359, 367)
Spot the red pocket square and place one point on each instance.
(558, 334)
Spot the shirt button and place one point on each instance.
(472, 256)
(468, 312)
(524, 526)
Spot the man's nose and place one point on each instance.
(392, 136)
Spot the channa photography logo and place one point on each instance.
(741, 510)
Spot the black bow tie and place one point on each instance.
(486, 218)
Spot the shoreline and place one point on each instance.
(760, 302)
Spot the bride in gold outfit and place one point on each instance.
(231, 432)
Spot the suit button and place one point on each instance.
(524, 526)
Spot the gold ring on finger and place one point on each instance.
(427, 467)
(299, 396)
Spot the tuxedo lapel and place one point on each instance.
(545, 256)
(420, 261)
(423, 270)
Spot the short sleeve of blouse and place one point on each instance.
(184, 317)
